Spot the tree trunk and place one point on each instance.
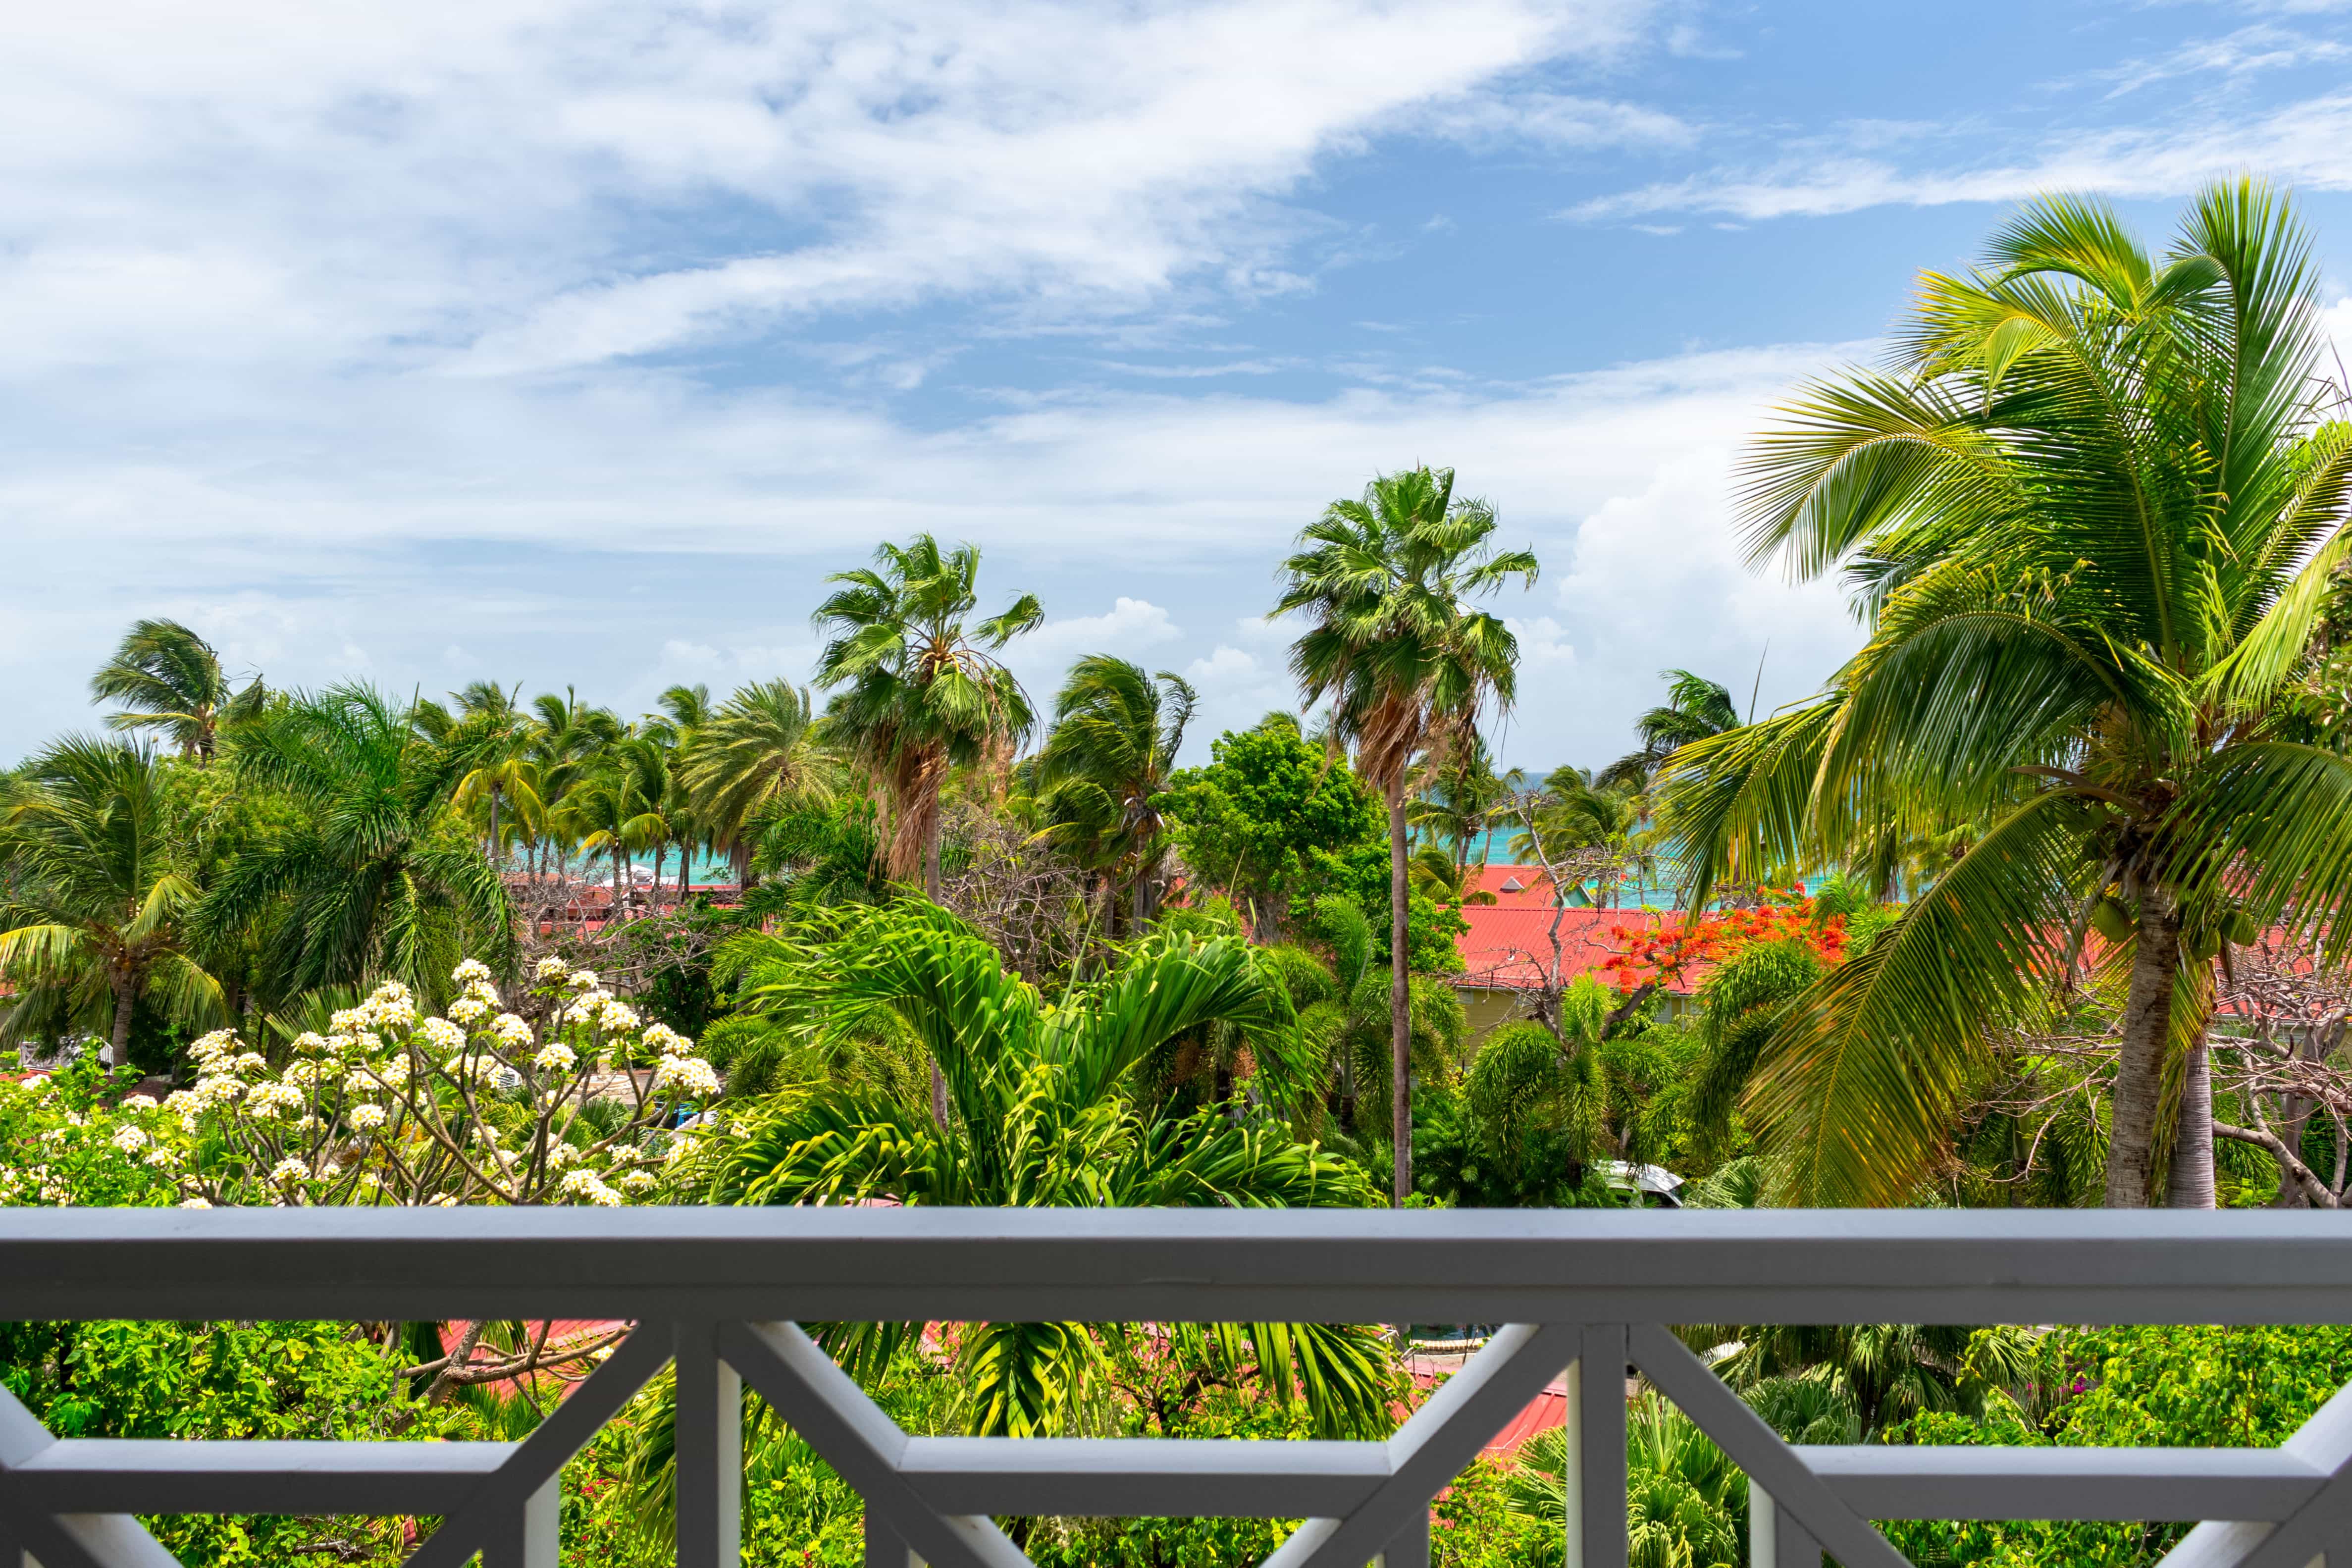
(490, 847)
(2190, 1184)
(118, 1042)
(931, 891)
(1142, 896)
(2140, 1064)
(1400, 1002)
(932, 856)
(661, 857)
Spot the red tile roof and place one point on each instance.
(1510, 946)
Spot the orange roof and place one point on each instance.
(1514, 886)
(1509, 946)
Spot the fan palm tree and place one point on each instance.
(93, 911)
(1041, 1118)
(1107, 759)
(367, 884)
(2093, 521)
(755, 754)
(1406, 668)
(1695, 708)
(919, 692)
(169, 678)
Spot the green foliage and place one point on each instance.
(1275, 822)
(2186, 1386)
(257, 1380)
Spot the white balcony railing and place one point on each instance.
(719, 1291)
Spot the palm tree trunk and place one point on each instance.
(2140, 1064)
(126, 997)
(2190, 1183)
(1399, 1002)
(490, 844)
(661, 855)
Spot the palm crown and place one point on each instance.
(920, 693)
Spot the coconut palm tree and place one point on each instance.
(488, 740)
(1107, 759)
(919, 692)
(1405, 665)
(758, 752)
(1040, 1118)
(366, 883)
(2094, 520)
(1695, 708)
(1458, 800)
(93, 911)
(618, 809)
(169, 678)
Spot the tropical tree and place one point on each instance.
(1574, 817)
(754, 755)
(2093, 521)
(1405, 665)
(619, 809)
(487, 739)
(919, 692)
(169, 678)
(1695, 708)
(1457, 801)
(94, 909)
(1040, 1118)
(1106, 764)
(373, 880)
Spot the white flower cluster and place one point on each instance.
(555, 1057)
(588, 1184)
(552, 968)
(666, 1040)
(364, 1118)
(690, 1076)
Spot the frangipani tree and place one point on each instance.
(2094, 520)
(566, 1100)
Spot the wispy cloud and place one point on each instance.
(2309, 143)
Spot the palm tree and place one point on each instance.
(1458, 800)
(567, 737)
(487, 739)
(1573, 810)
(1406, 668)
(93, 911)
(2093, 521)
(1695, 708)
(755, 754)
(365, 883)
(1107, 759)
(1041, 1118)
(918, 693)
(619, 809)
(169, 678)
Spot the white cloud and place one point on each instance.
(1128, 626)
(2308, 143)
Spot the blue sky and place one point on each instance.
(566, 343)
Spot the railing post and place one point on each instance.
(12, 1550)
(527, 1538)
(883, 1547)
(1410, 1549)
(709, 1446)
(1775, 1540)
(1595, 1428)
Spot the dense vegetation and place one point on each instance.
(2036, 904)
